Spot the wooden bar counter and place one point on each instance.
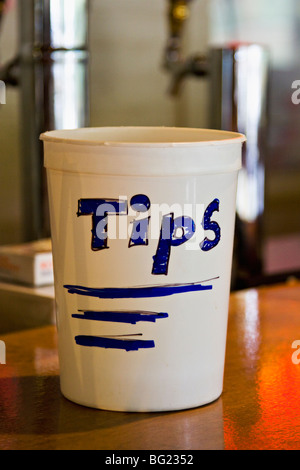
(259, 409)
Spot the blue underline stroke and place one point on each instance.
(121, 317)
(137, 292)
(113, 343)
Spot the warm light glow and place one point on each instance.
(268, 415)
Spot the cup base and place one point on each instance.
(150, 409)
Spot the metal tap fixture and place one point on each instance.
(177, 15)
(51, 70)
(174, 61)
(238, 75)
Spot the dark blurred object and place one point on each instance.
(2, 8)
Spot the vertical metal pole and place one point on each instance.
(54, 91)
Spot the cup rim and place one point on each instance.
(75, 136)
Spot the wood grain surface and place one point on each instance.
(259, 409)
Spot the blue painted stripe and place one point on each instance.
(122, 317)
(137, 292)
(113, 343)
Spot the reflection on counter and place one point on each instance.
(267, 411)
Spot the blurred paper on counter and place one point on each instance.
(29, 263)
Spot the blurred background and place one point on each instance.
(129, 84)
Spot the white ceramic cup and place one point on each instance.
(142, 223)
